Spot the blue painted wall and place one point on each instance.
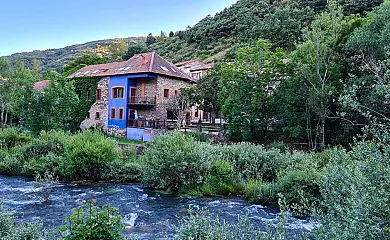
(125, 81)
(118, 81)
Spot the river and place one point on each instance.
(148, 215)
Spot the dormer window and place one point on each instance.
(118, 92)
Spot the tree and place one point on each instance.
(171, 34)
(359, 6)
(207, 92)
(36, 68)
(316, 62)
(52, 75)
(117, 49)
(50, 108)
(150, 40)
(181, 103)
(81, 62)
(5, 68)
(135, 49)
(247, 87)
(13, 90)
(365, 99)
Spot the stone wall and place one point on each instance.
(117, 132)
(163, 104)
(100, 106)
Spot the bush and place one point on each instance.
(356, 195)
(257, 191)
(221, 180)
(251, 161)
(11, 162)
(279, 145)
(301, 189)
(88, 154)
(11, 230)
(11, 137)
(200, 224)
(93, 222)
(198, 136)
(47, 142)
(51, 162)
(123, 171)
(170, 162)
(45, 184)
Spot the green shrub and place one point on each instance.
(11, 163)
(47, 142)
(283, 148)
(123, 171)
(221, 180)
(11, 137)
(88, 154)
(11, 230)
(93, 222)
(356, 195)
(301, 189)
(49, 163)
(171, 162)
(257, 191)
(200, 224)
(251, 161)
(198, 136)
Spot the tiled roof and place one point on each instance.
(41, 85)
(203, 67)
(141, 63)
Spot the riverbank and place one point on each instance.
(176, 163)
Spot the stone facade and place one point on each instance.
(98, 111)
(162, 103)
(156, 88)
(117, 132)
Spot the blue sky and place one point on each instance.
(27, 25)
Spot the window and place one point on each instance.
(196, 113)
(88, 115)
(118, 92)
(171, 115)
(196, 75)
(88, 94)
(98, 94)
(176, 93)
(121, 111)
(164, 68)
(112, 113)
(97, 116)
(166, 93)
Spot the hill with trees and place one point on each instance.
(212, 38)
(55, 59)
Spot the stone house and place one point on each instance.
(134, 97)
(197, 69)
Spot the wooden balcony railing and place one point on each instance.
(155, 124)
(146, 101)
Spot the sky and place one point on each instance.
(27, 25)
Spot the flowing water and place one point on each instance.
(146, 214)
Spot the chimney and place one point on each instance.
(144, 60)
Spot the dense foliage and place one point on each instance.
(11, 230)
(94, 222)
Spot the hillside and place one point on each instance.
(214, 37)
(57, 58)
(242, 24)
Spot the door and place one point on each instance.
(133, 95)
